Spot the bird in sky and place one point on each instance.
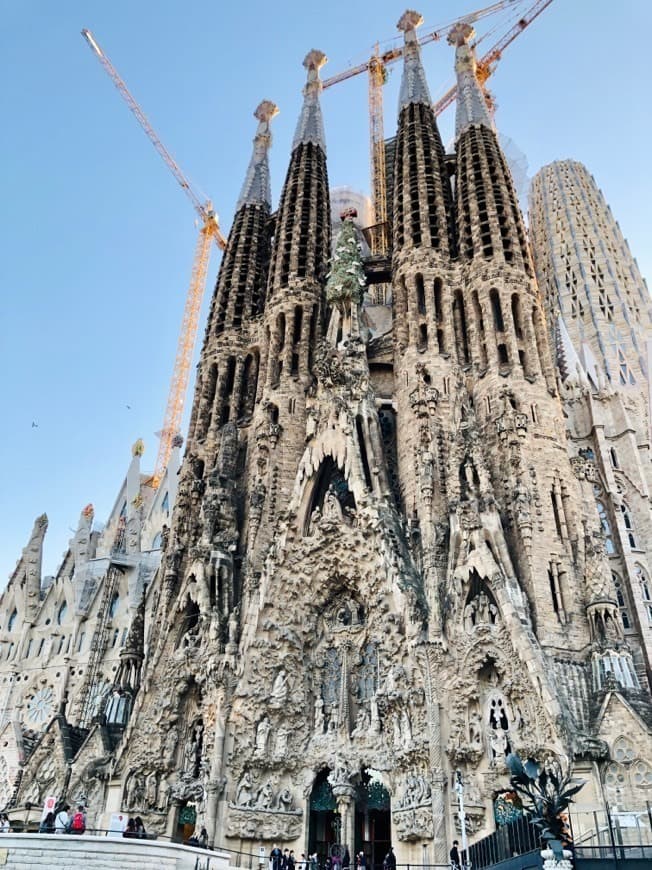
(34, 425)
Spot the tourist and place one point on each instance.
(291, 860)
(141, 833)
(203, 838)
(47, 825)
(362, 861)
(455, 856)
(284, 859)
(314, 864)
(5, 827)
(78, 823)
(62, 821)
(275, 857)
(346, 860)
(390, 860)
(130, 830)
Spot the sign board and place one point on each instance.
(261, 854)
(48, 806)
(117, 824)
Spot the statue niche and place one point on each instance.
(480, 609)
(331, 501)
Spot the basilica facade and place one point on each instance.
(407, 539)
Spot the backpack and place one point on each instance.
(78, 825)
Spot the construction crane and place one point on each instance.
(209, 232)
(376, 67)
(487, 63)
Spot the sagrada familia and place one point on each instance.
(408, 535)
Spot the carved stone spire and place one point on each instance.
(310, 126)
(471, 104)
(257, 188)
(414, 87)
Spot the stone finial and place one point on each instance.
(138, 448)
(414, 87)
(472, 108)
(88, 512)
(256, 189)
(460, 34)
(310, 127)
(177, 441)
(408, 23)
(265, 111)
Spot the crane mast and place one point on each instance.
(208, 232)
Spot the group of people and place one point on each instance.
(61, 822)
(286, 860)
(5, 825)
(135, 829)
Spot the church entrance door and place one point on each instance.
(324, 830)
(372, 819)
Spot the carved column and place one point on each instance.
(437, 775)
(346, 808)
(215, 786)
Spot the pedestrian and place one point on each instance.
(362, 861)
(62, 821)
(314, 862)
(47, 825)
(291, 860)
(203, 838)
(78, 823)
(276, 856)
(390, 860)
(328, 863)
(455, 857)
(284, 859)
(346, 860)
(141, 833)
(5, 827)
(130, 830)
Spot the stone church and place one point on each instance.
(408, 538)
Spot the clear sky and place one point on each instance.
(97, 239)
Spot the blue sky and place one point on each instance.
(97, 238)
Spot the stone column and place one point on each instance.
(346, 808)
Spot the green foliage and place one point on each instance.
(547, 789)
(346, 280)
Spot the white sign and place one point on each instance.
(48, 806)
(117, 824)
(261, 854)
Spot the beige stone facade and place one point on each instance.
(401, 545)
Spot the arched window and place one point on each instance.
(61, 614)
(606, 528)
(115, 603)
(646, 590)
(629, 528)
(621, 600)
(12, 620)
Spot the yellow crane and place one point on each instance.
(209, 232)
(376, 67)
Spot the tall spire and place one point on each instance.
(414, 87)
(310, 126)
(471, 104)
(240, 289)
(257, 188)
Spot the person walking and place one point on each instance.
(455, 857)
(62, 821)
(141, 833)
(276, 856)
(78, 823)
(47, 825)
(390, 860)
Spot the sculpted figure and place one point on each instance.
(280, 688)
(284, 801)
(151, 790)
(475, 730)
(406, 728)
(262, 735)
(244, 794)
(265, 796)
(319, 715)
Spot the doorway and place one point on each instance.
(373, 831)
(324, 830)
